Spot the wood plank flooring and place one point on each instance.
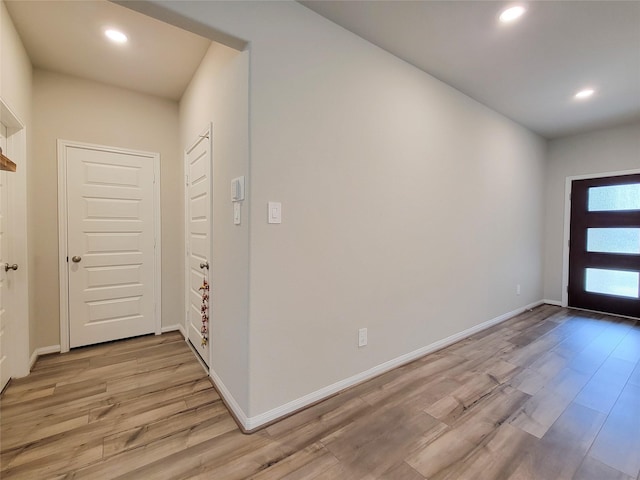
(550, 394)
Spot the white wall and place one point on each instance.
(16, 92)
(218, 94)
(408, 208)
(70, 108)
(600, 152)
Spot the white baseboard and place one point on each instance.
(552, 302)
(251, 423)
(42, 351)
(172, 328)
(32, 359)
(229, 400)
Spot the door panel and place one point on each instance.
(5, 344)
(111, 233)
(604, 251)
(198, 162)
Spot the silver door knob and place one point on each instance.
(76, 259)
(204, 265)
(8, 267)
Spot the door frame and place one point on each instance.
(62, 232)
(17, 150)
(567, 222)
(205, 132)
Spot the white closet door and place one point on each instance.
(110, 232)
(198, 164)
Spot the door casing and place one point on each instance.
(62, 233)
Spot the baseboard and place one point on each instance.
(32, 359)
(236, 411)
(250, 424)
(552, 302)
(42, 351)
(172, 328)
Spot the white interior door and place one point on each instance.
(110, 244)
(14, 301)
(5, 275)
(199, 265)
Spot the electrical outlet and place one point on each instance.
(518, 289)
(362, 337)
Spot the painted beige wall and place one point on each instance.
(79, 110)
(16, 71)
(218, 94)
(16, 91)
(408, 208)
(600, 152)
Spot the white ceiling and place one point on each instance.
(528, 70)
(67, 37)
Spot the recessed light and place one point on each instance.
(585, 93)
(512, 13)
(116, 36)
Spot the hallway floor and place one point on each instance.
(550, 394)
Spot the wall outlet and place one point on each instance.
(362, 337)
(518, 289)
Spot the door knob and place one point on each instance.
(8, 267)
(76, 259)
(204, 265)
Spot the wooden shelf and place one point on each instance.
(6, 164)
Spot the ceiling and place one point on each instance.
(528, 70)
(67, 37)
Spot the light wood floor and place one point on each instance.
(551, 394)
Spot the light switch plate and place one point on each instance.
(236, 213)
(274, 213)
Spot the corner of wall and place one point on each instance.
(218, 95)
(16, 85)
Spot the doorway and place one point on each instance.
(604, 245)
(109, 243)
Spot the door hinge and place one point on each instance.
(67, 259)
(186, 180)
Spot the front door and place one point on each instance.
(110, 244)
(604, 248)
(199, 265)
